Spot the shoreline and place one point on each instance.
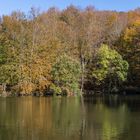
(89, 94)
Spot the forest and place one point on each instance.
(69, 52)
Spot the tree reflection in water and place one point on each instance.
(100, 118)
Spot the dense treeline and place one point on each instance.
(69, 51)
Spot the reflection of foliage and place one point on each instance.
(108, 122)
(70, 122)
(114, 126)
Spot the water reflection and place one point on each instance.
(106, 118)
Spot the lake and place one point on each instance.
(47, 118)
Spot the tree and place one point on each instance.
(129, 48)
(110, 67)
(66, 75)
(30, 44)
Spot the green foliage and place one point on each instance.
(29, 50)
(8, 74)
(8, 69)
(56, 89)
(130, 50)
(3, 54)
(110, 64)
(66, 73)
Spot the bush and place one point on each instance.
(110, 66)
(66, 74)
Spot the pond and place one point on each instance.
(47, 118)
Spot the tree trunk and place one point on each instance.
(4, 87)
(82, 76)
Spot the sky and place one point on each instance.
(7, 6)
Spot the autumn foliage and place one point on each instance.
(59, 49)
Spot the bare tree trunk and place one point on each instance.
(82, 76)
(4, 87)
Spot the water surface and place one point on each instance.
(99, 118)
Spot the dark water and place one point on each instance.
(108, 118)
